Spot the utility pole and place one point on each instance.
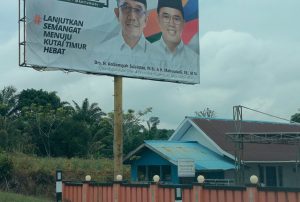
(239, 145)
(118, 127)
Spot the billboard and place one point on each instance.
(148, 39)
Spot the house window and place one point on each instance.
(280, 177)
(271, 179)
(153, 170)
(142, 173)
(271, 175)
(166, 173)
(261, 174)
(146, 173)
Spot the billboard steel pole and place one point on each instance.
(118, 127)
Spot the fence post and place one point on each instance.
(198, 189)
(198, 192)
(116, 188)
(58, 185)
(85, 191)
(153, 196)
(116, 191)
(153, 192)
(252, 193)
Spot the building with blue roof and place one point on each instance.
(208, 144)
(157, 157)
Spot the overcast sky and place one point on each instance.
(249, 55)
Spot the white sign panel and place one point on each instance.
(131, 38)
(186, 168)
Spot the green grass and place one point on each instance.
(35, 176)
(73, 169)
(11, 197)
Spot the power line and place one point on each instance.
(267, 114)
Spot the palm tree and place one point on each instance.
(89, 113)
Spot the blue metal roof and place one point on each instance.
(204, 158)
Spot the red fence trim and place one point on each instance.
(126, 192)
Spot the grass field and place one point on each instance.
(35, 176)
(73, 169)
(12, 197)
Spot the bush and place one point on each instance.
(44, 183)
(31, 175)
(6, 167)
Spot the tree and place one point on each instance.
(38, 122)
(8, 100)
(295, 117)
(42, 113)
(133, 128)
(206, 113)
(133, 121)
(152, 130)
(135, 131)
(39, 98)
(44, 121)
(71, 139)
(89, 113)
(163, 134)
(153, 122)
(101, 142)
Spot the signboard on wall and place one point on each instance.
(186, 168)
(109, 37)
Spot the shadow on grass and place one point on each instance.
(6, 196)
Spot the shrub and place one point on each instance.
(6, 167)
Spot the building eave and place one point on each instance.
(270, 162)
(181, 129)
(145, 145)
(130, 154)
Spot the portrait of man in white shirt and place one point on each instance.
(170, 16)
(132, 18)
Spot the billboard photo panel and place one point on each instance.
(147, 39)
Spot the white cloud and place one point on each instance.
(246, 70)
(231, 57)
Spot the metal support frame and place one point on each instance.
(239, 145)
(239, 138)
(22, 33)
(289, 138)
(285, 138)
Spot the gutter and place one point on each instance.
(268, 162)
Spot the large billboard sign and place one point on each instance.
(148, 39)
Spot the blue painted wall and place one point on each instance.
(150, 158)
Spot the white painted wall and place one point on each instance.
(192, 134)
